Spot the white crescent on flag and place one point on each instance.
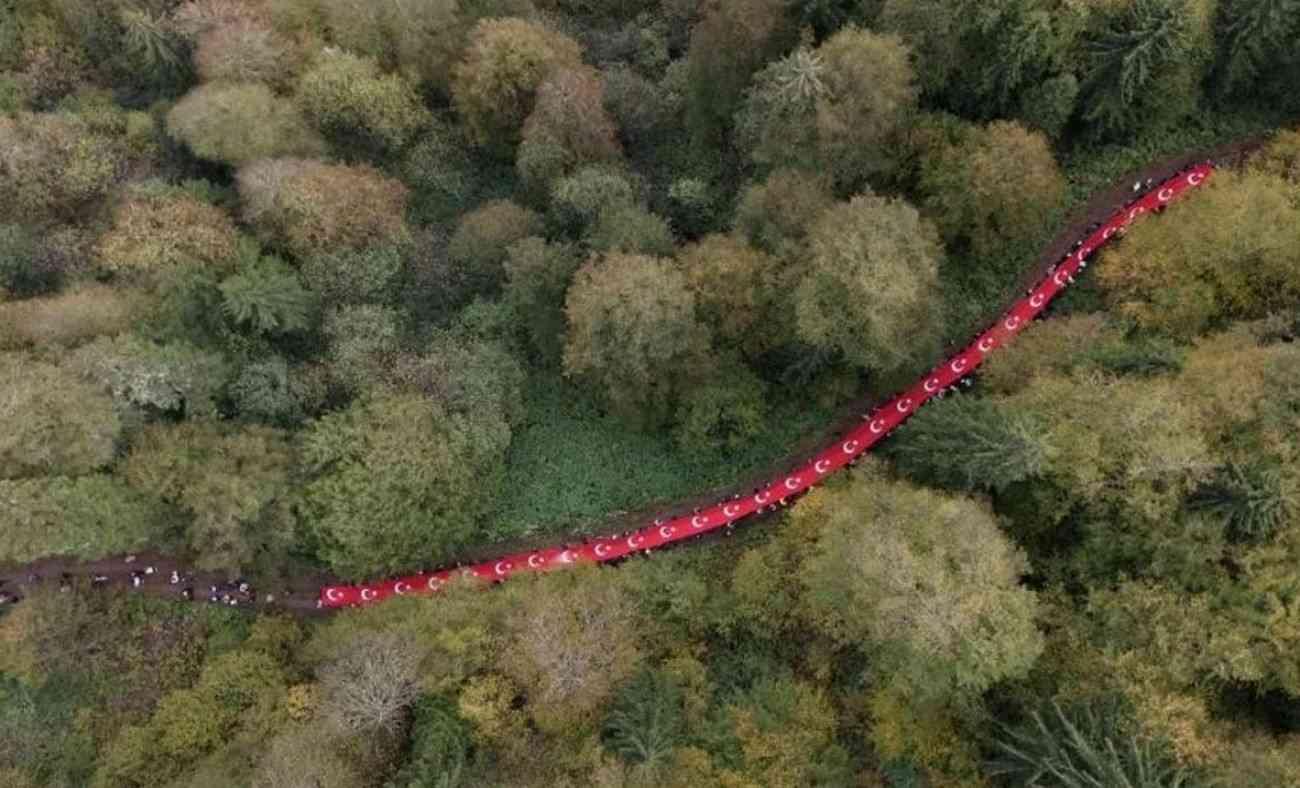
(367, 594)
(986, 344)
(821, 466)
(792, 483)
(333, 594)
(957, 365)
(1012, 323)
(401, 588)
(1166, 194)
(729, 511)
(501, 567)
(1037, 300)
(904, 405)
(877, 427)
(666, 531)
(932, 385)
(1195, 179)
(535, 560)
(600, 549)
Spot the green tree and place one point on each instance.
(633, 333)
(86, 517)
(53, 165)
(925, 578)
(157, 228)
(310, 207)
(147, 377)
(578, 200)
(725, 411)
(982, 204)
(537, 276)
(349, 101)
(1143, 66)
(567, 127)
(495, 85)
(241, 50)
(731, 41)
(1083, 746)
(870, 289)
(631, 229)
(237, 123)
(967, 443)
(785, 730)
(226, 480)
(1233, 252)
(575, 642)
(440, 744)
(266, 295)
(1255, 38)
(840, 108)
(776, 214)
(363, 344)
(734, 284)
(477, 249)
(646, 719)
(51, 422)
(349, 276)
(393, 477)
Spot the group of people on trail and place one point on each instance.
(232, 593)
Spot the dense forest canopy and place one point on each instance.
(362, 285)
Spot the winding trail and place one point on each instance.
(320, 593)
(875, 426)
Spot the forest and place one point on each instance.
(360, 286)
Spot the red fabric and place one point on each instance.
(860, 440)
